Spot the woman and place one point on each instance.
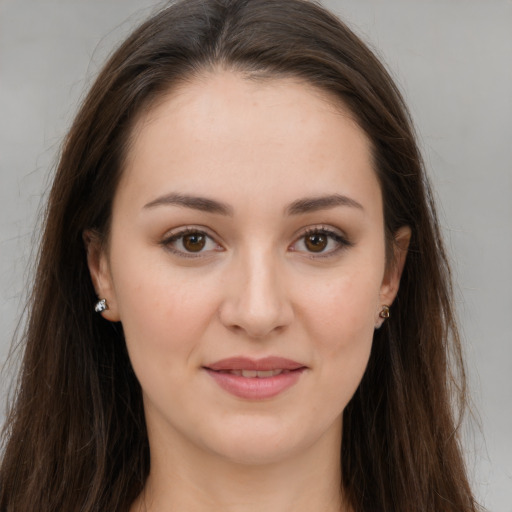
(242, 201)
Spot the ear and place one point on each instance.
(393, 273)
(99, 268)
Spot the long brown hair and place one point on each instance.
(75, 439)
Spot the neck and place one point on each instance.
(181, 480)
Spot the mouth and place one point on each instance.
(255, 374)
(255, 379)
(255, 367)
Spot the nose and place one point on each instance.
(256, 301)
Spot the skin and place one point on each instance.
(255, 289)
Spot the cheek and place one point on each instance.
(344, 310)
(163, 313)
(341, 320)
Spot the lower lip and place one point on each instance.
(256, 388)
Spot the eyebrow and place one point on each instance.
(197, 203)
(312, 204)
(300, 206)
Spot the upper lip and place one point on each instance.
(263, 364)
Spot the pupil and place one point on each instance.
(194, 242)
(316, 242)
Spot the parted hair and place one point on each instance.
(75, 438)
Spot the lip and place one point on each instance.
(263, 364)
(255, 388)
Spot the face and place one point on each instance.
(246, 262)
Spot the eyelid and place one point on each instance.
(334, 233)
(176, 234)
(331, 232)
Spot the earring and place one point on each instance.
(384, 312)
(101, 305)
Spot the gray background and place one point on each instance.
(453, 61)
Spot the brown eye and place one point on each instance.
(191, 243)
(194, 242)
(316, 242)
(320, 242)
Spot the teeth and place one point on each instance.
(251, 374)
(268, 373)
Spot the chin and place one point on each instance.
(256, 452)
(263, 441)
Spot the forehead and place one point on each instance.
(229, 135)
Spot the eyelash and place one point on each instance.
(342, 242)
(174, 237)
